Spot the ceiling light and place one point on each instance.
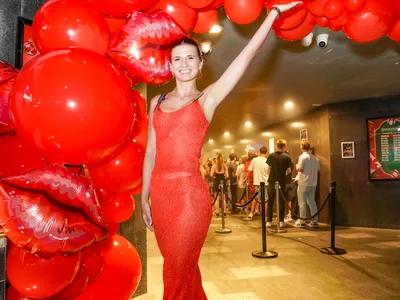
(216, 29)
(289, 104)
(247, 124)
(216, 150)
(205, 47)
(316, 104)
(244, 141)
(228, 147)
(297, 124)
(226, 133)
(266, 133)
(211, 141)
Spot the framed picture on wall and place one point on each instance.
(384, 148)
(303, 135)
(348, 150)
(25, 48)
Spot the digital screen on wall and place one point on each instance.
(384, 148)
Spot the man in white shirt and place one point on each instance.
(259, 168)
(308, 168)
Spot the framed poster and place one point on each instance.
(348, 150)
(25, 49)
(303, 135)
(384, 148)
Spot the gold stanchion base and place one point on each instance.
(332, 251)
(247, 219)
(223, 230)
(267, 254)
(279, 230)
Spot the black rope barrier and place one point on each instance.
(215, 199)
(244, 205)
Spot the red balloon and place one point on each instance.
(300, 32)
(394, 33)
(40, 277)
(333, 9)
(185, 16)
(68, 189)
(141, 138)
(6, 126)
(322, 21)
(12, 294)
(121, 274)
(115, 24)
(216, 4)
(119, 8)
(243, 12)
(140, 105)
(290, 19)
(137, 190)
(123, 173)
(77, 286)
(63, 24)
(150, 65)
(198, 4)
(94, 261)
(104, 196)
(206, 21)
(334, 28)
(83, 102)
(355, 5)
(24, 156)
(370, 24)
(341, 21)
(316, 7)
(120, 209)
(38, 223)
(6, 72)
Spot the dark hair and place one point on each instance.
(232, 156)
(263, 150)
(189, 41)
(305, 145)
(281, 143)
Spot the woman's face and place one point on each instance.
(185, 62)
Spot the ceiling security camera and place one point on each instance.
(322, 40)
(307, 41)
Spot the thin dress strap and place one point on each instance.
(161, 99)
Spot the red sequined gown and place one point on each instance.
(180, 200)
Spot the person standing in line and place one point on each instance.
(232, 167)
(279, 167)
(308, 168)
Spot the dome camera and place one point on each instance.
(322, 40)
(307, 41)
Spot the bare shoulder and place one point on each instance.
(153, 101)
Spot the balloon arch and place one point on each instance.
(73, 130)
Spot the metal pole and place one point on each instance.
(332, 250)
(223, 229)
(278, 227)
(264, 253)
(247, 218)
(229, 194)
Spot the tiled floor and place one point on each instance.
(369, 270)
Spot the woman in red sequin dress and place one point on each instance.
(180, 210)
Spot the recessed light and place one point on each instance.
(211, 141)
(289, 104)
(266, 133)
(244, 141)
(316, 104)
(228, 147)
(216, 150)
(247, 124)
(216, 29)
(226, 133)
(297, 124)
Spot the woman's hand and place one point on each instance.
(146, 214)
(285, 7)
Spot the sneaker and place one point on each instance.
(300, 224)
(269, 224)
(282, 224)
(288, 217)
(250, 215)
(313, 225)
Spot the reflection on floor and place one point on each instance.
(370, 269)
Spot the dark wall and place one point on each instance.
(317, 124)
(361, 202)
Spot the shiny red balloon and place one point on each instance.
(77, 286)
(120, 209)
(316, 7)
(67, 188)
(198, 4)
(104, 196)
(115, 24)
(341, 21)
(63, 24)
(151, 65)
(334, 28)
(119, 8)
(6, 126)
(38, 223)
(140, 105)
(333, 9)
(6, 72)
(216, 4)
(94, 261)
(40, 277)
(354, 5)
(12, 294)
(243, 12)
(322, 21)
(24, 156)
(206, 21)
(396, 8)
(394, 33)
(83, 102)
(123, 173)
(300, 32)
(290, 19)
(141, 138)
(137, 190)
(370, 24)
(185, 16)
(121, 274)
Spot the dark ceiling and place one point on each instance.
(284, 70)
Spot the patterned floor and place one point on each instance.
(370, 269)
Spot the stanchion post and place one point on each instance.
(247, 218)
(264, 253)
(277, 194)
(223, 229)
(332, 250)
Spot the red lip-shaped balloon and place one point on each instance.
(143, 29)
(65, 187)
(6, 125)
(150, 64)
(40, 224)
(6, 71)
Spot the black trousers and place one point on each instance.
(271, 200)
(234, 192)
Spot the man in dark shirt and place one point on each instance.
(279, 167)
(232, 166)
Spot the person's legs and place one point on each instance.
(301, 194)
(271, 198)
(311, 202)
